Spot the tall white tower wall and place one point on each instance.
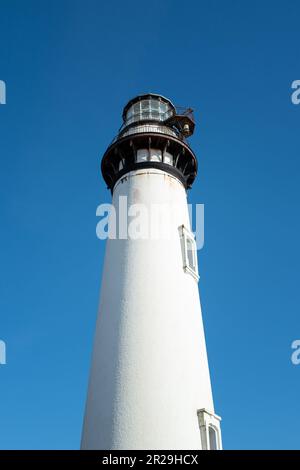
(149, 374)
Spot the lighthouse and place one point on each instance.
(149, 385)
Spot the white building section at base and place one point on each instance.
(149, 383)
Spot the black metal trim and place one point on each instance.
(148, 165)
(128, 145)
(145, 122)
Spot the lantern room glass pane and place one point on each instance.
(163, 107)
(155, 114)
(145, 104)
(137, 108)
(154, 104)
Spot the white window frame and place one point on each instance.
(207, 420)
(185, 235)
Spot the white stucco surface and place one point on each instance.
(149, 373)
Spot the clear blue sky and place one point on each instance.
(70, 66)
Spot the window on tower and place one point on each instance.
(168, 158)
(189, 252)
(142, 155)
(155, 155)
(210, 432)
(213, 443)
(121, 164)
(151, 155)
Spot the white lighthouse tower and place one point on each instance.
(149, 384)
